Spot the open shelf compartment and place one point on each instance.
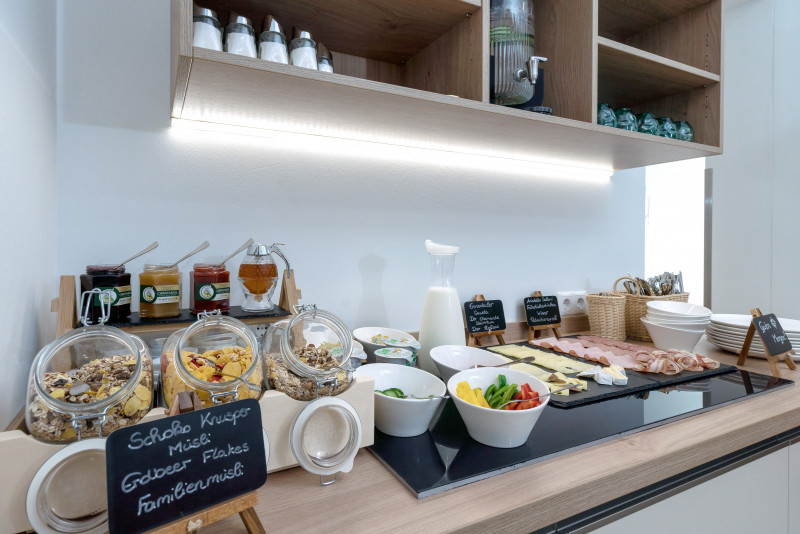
(686, 31)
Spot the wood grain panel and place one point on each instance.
(569, 50)
(368, 69)
(385, 30)
(453, 64)
(619, 19)
(180, 52)
(251, 88)
(700, 107)
(693, 38)
(628, 76)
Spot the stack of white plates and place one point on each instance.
(676, 325)
(727, 331)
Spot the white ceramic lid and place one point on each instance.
(325, 436)
(68, 492)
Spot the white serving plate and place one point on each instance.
(743, 321)
(741, 334)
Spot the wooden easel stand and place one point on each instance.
(188, 401)
(772, 359)
(534, 332)
(474, 340)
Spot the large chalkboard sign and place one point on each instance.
(771, 333)
(542, 311)
(164, 470)
(484, 316)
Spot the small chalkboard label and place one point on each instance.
(542, 311)
(161, 471)
(484, 316)
(771, 333)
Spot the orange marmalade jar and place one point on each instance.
(159, 291)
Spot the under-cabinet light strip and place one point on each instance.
(320, 144)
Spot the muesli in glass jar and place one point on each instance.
(307, 356)
(218, 361)
(88, 383)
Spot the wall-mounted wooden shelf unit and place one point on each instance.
(416, 73)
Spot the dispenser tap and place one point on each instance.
(532, 72)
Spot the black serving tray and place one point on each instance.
(636, 382)
(445, 457)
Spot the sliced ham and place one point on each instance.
(628, 355)
(627, 347)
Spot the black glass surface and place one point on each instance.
(446, 457)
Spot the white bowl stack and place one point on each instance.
(676, 325)
(727, 331)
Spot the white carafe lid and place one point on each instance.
(438, 248)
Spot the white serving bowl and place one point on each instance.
(403, 418)
(450, 359)
(684, 325)
(497, 428)
(678, 308)
(365, 334)
(678, 317)
(670, 337)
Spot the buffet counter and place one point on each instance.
(524, 500)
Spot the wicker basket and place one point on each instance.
(607, 315)
(636, 308)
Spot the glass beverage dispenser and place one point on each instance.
(511, 44)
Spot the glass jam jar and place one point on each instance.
(307, 356)
(113, 278)
(88, 383)
(210, 287)
(218, 361)
(159, 291)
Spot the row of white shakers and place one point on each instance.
(240, 38)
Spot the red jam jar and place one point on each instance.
(210, 288)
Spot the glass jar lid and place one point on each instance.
(325, 436)
(316, 343)
(68, 492)
(217, 354)
(59, 369)
(105, 269)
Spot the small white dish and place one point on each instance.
(365, 334)
(403, 418)
(450, 359)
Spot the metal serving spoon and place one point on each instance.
(153, 245)
(512, 362)
(203, 246)
(240, 379)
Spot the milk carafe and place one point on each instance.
(442, 319)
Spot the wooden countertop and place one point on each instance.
(371, 498)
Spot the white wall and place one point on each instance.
(353, 219)
(28, 180)
(756, 188)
